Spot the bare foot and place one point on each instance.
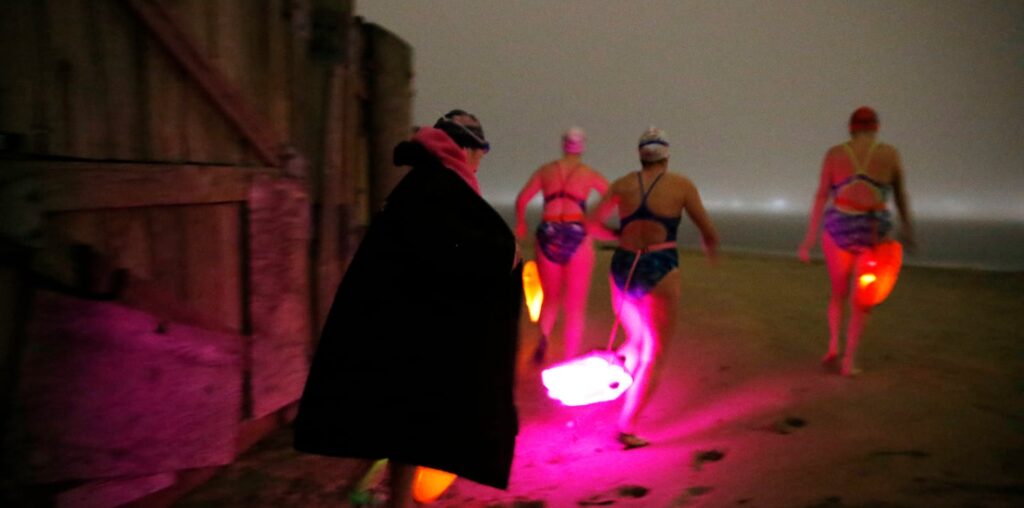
(830, 363)
(630, 441)
(541, 351)
(848, 370)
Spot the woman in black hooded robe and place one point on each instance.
(416, 361)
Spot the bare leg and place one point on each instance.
(632, 323)
(657, 310)
(551, 281)
(840, 265)
(577, 287)
(858, 318)
(402, 476)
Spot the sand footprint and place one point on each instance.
(610, 497)
(703, 456)
(786, 425)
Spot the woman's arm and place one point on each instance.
(906, 232)
(699, 216)
(532, 187)
(814, 218)
(595, 221)
(598, 182)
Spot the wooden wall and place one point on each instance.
(156, 201)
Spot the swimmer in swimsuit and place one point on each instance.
(645, 279)
(856, 180)
(564, 250)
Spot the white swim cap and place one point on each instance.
(653, 145)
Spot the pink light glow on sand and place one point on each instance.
(594, 377)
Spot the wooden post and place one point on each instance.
(389, 83)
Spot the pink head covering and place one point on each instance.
(440, 145)
(574, 141)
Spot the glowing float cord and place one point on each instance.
(625, 287)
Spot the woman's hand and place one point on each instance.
(804, 251)
(601, 232)
(711, 251)
(520, 230)
(906, 237)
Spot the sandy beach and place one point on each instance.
(745, 415)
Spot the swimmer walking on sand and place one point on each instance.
(564, 250)
(645, 278)
(856, 179)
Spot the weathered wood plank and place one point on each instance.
(119, 44)
(80, 83)
(78, 228)
(84, 185)
(390, 111)
(279, 293)
(165, 28)
(63, 231)
(277, 39)
(205, 134)
(167, 243)
(112, 392)
(17, 55)
(212, 264)
(43, 86)
(116, 492)
(164, 87)
(127, 239)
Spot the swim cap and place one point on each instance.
(574, 141)
(464, 129)
(864, 119)
(653, 145)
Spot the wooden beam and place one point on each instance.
(69, 186)
(225, 96)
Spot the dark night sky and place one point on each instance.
(750, 93)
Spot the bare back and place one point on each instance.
(880, 164)
(565, 185)
(670, 196)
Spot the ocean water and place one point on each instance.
(995, 245)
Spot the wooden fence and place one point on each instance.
(184, 183)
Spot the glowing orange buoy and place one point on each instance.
(877, 271)
(429, 484)
(532, 290)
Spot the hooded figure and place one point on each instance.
(416, 361)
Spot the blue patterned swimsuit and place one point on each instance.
(852, 229)
(559, 239)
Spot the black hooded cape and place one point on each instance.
(416, 361)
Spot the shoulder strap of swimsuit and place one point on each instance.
(858, 167)
(645, 193)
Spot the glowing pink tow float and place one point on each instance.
(598, 376)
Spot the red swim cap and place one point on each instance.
(864, 119)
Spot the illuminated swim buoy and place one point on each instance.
(876, 273)
(428, 484)
(532, 290)
(598, 376)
